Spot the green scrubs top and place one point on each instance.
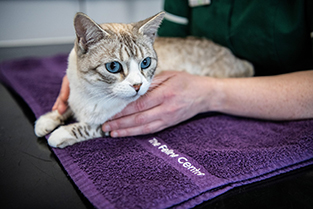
(276, 36)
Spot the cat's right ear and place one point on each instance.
(87, 31)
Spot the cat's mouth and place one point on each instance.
(136, 95)
(131, 96)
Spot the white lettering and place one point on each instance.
(167, 151)
(186, 164)
(181, 160)
(155, 142)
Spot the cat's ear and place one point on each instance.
(87, 31)
(149, 27)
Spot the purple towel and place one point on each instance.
(181, 166)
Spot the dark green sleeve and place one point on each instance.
(176, 21)
(309, 14)
(276, 36)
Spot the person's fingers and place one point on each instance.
(56, 104)
(133, 120)
(62, 108)
(148, 128)
(145, 102)
(65, 90)
(61, 102)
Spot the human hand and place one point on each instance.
(61, 103)
(173, 97)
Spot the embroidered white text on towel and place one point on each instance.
(181, 160)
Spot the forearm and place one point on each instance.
(282, 97)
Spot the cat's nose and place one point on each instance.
(137, 86)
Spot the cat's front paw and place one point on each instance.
(61, 138)
(46, 123)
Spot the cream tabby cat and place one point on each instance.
(112, 65)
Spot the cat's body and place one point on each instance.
(199, 56)
(112, 65)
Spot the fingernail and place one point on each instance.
(106, 128)
(114, 134)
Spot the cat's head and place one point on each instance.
(118, 58)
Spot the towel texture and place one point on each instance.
(179, 167)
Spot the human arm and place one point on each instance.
(282, 97)
(180, 96)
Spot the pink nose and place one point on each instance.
(137, 86)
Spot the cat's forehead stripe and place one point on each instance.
(128, 44)
(140, 50)
(128, 52)
(130, 49)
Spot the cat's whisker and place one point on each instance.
(105, 97)
(156, 82)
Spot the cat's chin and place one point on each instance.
(132, 98)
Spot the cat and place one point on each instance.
(113, 64)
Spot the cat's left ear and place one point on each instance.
(149, 27)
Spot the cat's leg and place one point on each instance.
(49, 121)
(73, 133)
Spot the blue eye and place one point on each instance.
(145, 63)
(113, 67)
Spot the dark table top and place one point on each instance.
(32, 177)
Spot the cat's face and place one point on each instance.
(117, 59)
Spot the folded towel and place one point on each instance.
(179, 167)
